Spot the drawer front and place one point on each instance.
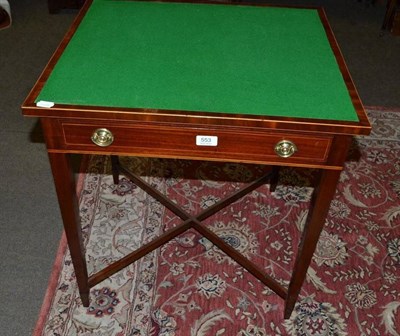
(196, 143)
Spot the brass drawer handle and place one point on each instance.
(102, 137)
(285, 148)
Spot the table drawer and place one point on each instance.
(197, 142)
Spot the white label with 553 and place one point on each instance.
(206, 140)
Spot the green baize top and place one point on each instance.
(250, 60)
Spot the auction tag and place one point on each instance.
(206, 140)
(43, 103)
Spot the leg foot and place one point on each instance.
(85, 299)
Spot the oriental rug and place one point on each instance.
(189, 287)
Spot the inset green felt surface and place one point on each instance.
(196, 57)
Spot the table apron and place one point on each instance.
(181, 141)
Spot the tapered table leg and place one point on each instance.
(274, 178)
(315, 222)
(67, 199)
(114, 168)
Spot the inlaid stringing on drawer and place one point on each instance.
(176, 141)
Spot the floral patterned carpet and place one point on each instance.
(189, 287)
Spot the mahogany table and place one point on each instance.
(255, 84)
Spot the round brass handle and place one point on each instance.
(285, 148)
(102, 137)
